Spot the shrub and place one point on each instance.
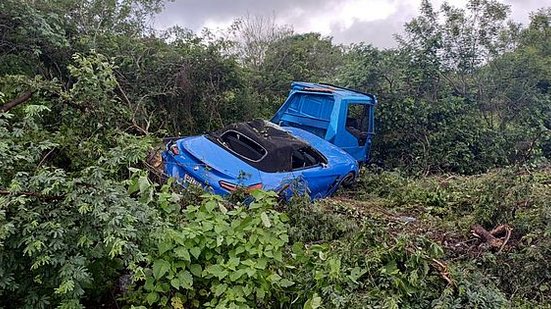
(221, 256)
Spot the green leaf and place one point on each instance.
(160, 268)
(265, 220)
(65, 287)
(261, 263)
(273, 278)
(175, 282)
(284, 283)
(143, 183)
(313, 303)
(165, 246)
(219, 289)
(217, 271)
(258, 194)
(195, 251)
(186, 279)
(133, 186)
(196, 270)
(260, 293)
(390, 268)
(210, 205)
(334, 267)
(152, 297)
(234, 276)
(182, 252)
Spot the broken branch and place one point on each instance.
(491, 237)
(443, 270)
(19, 100)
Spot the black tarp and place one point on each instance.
(279, 145)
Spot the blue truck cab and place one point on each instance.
(342, 116)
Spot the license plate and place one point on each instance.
(190, 180)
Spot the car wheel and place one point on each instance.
(348, 180)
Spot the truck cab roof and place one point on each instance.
(344, 93)
(342, 116)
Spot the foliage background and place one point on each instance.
(463, 127)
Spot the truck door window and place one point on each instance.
(357, 121)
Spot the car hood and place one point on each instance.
(218, 160)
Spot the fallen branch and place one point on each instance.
(492, 237)
(443, 270)
(19, 100)
(507, 237)
(439, 266)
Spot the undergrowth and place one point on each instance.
(446, 207)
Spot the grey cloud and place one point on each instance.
(528, 2)
(521, 9)
(379, 33)
(193, 14)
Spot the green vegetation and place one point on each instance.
(463, 140)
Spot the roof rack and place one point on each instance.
(317, 89)
(353, 90)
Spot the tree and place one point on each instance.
(253, 34)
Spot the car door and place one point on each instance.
(313, 170)
(319, 180)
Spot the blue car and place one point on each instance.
(260, 155)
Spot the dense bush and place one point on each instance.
(64, 236)
(220, 256)
(82, 99)
(68, 224)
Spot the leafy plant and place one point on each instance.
(221, 256)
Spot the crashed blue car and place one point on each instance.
(260, 155)
(313, 144)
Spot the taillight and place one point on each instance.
(254, 187)
(233, 187)
(228, 186)
(174, 149)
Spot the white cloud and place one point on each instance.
(217, 24)
(344, 15)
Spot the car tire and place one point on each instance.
(348, 181)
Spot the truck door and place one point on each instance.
(358, 128)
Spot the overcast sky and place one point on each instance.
(347, 21)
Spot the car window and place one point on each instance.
(306, 157)
(357, 121)
(243, 146)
